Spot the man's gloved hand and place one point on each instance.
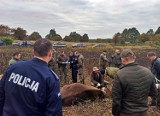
(71, 62)
(67, 62)
(63, 62)
(103, 89)
(98, 84)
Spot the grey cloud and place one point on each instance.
(99, 19)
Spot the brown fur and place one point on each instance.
(74, 93)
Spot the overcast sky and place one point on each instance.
(97, 18)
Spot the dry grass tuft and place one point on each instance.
(100, 107)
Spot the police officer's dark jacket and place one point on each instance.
(30, 88)
(132, 86)
(155, 68)
(73, 62)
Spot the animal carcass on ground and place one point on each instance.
(76, 92)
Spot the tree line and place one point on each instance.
(21, 34)
(131, 35)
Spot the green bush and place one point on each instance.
(157, 43)
(7, 40)
(118, 44)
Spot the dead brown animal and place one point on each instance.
(74, 93)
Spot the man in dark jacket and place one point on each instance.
(131, 88)
(73, 59)
(116, 59)
(97, 79)
(30, 88)
(155, 64)
(155, 69)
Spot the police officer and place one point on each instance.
(30, 88)
(73, 59)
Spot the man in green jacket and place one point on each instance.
(132, 86)
(62, 61)
(16, 57)
(103, 62)
(80, 66)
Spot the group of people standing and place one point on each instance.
(133, 84)
(75, 60)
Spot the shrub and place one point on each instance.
(7, 40)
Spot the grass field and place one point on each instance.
(88, 108)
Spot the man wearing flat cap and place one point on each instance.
(97, 79)
(132, 86)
